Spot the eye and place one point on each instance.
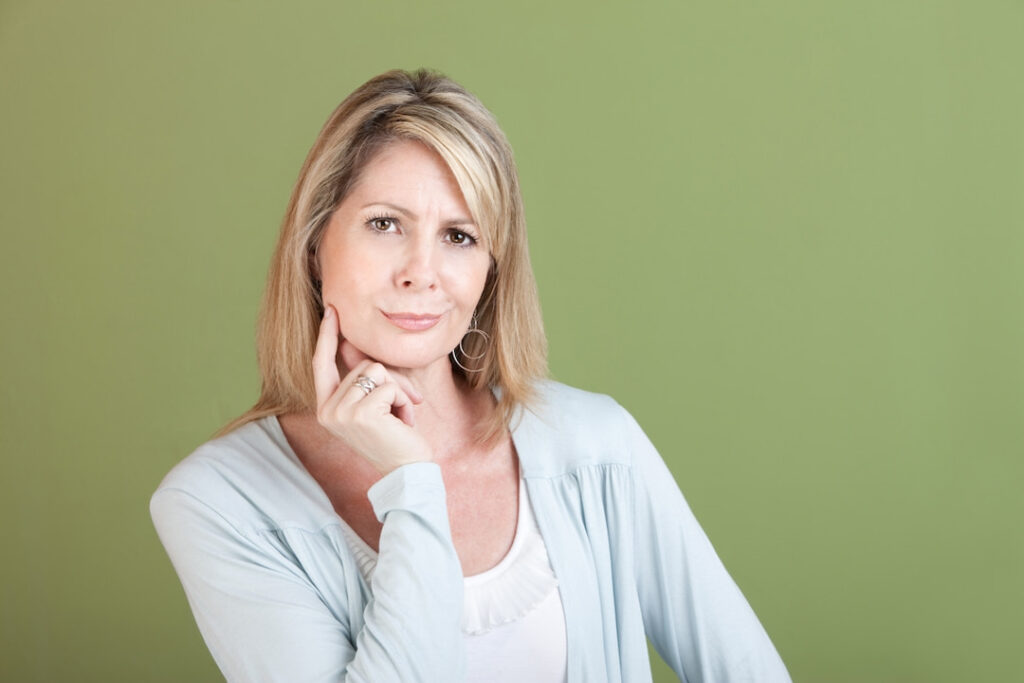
(381, 224)
(460, 238)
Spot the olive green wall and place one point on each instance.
(788, 236)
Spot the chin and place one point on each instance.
(406, 363)
(403, 358)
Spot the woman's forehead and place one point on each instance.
(411, 177)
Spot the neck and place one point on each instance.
(451, 409)
(436, 383)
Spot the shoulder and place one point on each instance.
(567, 428)
(569, 407)
(248, 477)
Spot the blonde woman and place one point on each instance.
(410, 499)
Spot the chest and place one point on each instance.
(482, 500)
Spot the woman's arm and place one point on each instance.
(694, 614)
(263, 619)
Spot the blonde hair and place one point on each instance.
(434, 110)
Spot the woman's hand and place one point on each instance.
(378, 425)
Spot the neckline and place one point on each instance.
(368, 556)
(369, 553)
(522, 517)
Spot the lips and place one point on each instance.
(414, 322)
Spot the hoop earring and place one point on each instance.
(473, 329)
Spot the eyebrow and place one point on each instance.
(410, 214)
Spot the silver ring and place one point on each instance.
(366, 384)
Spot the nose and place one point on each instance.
(418, 270)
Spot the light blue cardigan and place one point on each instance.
(278, 595)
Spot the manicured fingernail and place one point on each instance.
(329, 313)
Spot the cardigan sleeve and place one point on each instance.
(694, 614)
(263, 620)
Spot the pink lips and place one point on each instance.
(414, 322)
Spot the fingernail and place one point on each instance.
(329, 313)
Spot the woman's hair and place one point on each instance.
(434, 110)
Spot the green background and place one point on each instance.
(788, 236)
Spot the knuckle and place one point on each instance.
(328, 416)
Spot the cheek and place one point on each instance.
(344, 296)
(473, 280)
(336, 260)
(338, 283)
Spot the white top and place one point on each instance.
(512, 618)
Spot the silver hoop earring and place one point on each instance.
(473, 329)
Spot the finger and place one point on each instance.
(327, 411)
(402, 405)
(414, 395)
(387, 397)
(325, 368)
(351, 356)
(387, 400)
(348, 392)
(405, 412)
(351, 393)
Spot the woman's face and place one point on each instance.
(402, 260)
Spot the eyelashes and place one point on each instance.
(385, 224)
(460, 238)
(375, 223)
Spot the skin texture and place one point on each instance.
(403, 242)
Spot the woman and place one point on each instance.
(409, 499)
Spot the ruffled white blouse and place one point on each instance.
(512, 618)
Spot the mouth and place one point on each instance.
(414, 322)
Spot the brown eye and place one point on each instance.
(382, 224)
(461, 239)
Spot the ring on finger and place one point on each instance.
(366, 384)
